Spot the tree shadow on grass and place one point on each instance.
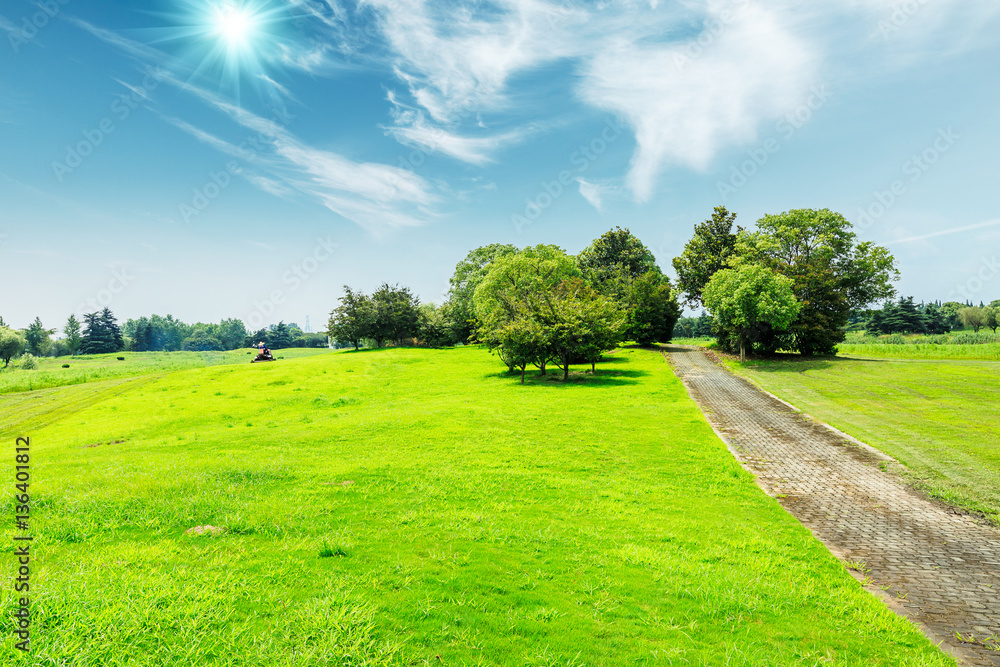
(581, 377)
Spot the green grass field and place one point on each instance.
(416, 507)
(50, 371)
(937, 417)
(989, 351)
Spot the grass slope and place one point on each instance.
(94, 367)
(413, 507)
(938, 418)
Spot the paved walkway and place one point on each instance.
(939, 568)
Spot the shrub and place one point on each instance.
(65, 365)
(28, 362)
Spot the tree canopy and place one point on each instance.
(37, 338)
(534, 307)
(351, 321)
(750, 302)
(11, 344)
(616, 256)
(832, 273)
(102, 333)
(469, 273)
(708, 251)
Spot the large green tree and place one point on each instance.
(991, 317)
(201, 341)
(534, 307)
(520, 286)
(750, 302)
(621, 268)
(614, 260)
(279, 336)
(973, 316)
(651, 309)
(581, 324)
(101, 334)
(11, 344)
(73, 337)
(469, 273)
(435, 330)
(231, 333)
(37, 338)
(395, 314)
(831, 272)
(708, 251)
(351, 321)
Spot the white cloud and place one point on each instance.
(459, 60)
(684, 110)
(591, 192)
(753, 62)
(310, 59)
(413, 129)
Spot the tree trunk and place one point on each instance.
(542, 367)
(522, 374)
(743, 355)
(566, 370)
(592, 369)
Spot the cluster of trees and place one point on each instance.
(101, 333)
(790, 284)
(540, 305)
(907, 317)
(390, 314)
(533, 306)
(978, 317)
(694, 327)
(158, 333)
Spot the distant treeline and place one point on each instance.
(906, 317)
(101, 333)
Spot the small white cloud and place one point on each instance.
(287, 94)
(413, 129)
(141, 93)
(591, 192)
(311, 59)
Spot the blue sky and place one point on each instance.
(246, 159)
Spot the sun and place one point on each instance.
(235, 25)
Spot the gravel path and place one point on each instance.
(939, 568)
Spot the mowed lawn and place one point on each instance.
(937, 417)
(416, 507)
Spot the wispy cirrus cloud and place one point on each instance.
(459, 60)
(414, 129)
(371, 194)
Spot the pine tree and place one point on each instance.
(102, 334)
(73, 337)
(108, 318)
